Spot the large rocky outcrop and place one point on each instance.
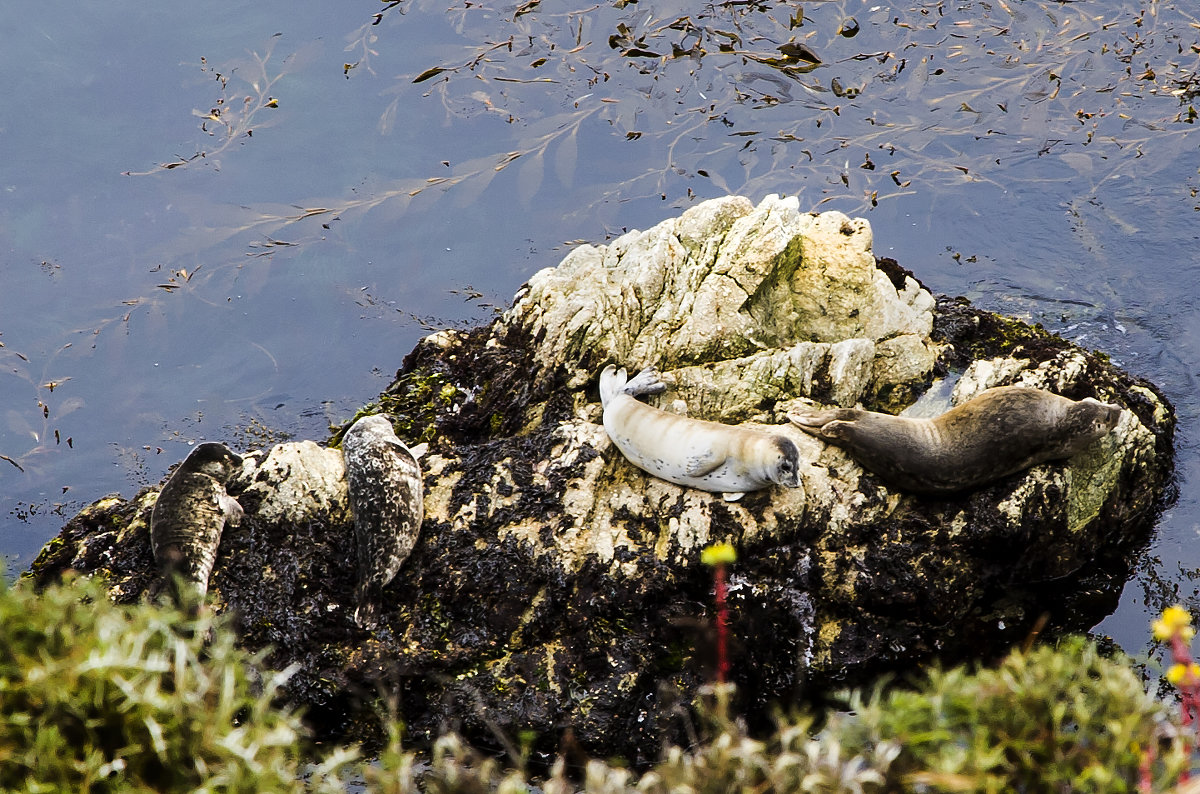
(557, 588)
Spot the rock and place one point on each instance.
(722, 281)
(554, 586)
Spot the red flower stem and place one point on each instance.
(1189, 695)
(1146, 771)
(722, 625)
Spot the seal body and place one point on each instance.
(387, 500)
(999, 432)
(692, 452)
(191, 513)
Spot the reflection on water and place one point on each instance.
(234, 227)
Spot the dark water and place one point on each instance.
(1037, 157)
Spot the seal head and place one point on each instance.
(692, 452)
(191, 513)
(999, 432)
(387, 500)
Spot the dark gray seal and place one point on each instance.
(191, 513)
(387, 500)
(999, 432)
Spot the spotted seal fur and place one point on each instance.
(190, 515)
(387, 500)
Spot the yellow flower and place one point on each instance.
(718, 554)
(1175, 621)
(1184, 674)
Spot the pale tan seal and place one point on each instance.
(999, 432)
(706, 455)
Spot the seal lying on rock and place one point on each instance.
(999, 432)
(692, 452)
(191, 513)
(387, 500)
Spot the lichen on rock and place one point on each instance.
(723, 281)
(555, 586)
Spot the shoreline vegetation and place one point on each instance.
(100, 697)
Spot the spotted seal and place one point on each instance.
(692, 452)
(387, 500)
(999, 432)
(191, 513)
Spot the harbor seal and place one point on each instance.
(387, 500)
(191, 513)
(706, 455)
(999, 432)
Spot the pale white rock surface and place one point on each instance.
(296, 481)
(727, 280)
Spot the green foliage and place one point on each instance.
(791, 760)
(1052, 719)
(100, 698)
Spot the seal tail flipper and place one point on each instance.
(810, 422)
(366, 611)
(645, 382)
(818, 423)
(612, 383)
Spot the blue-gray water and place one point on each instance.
(1037, 157)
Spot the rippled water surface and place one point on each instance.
(233, 226)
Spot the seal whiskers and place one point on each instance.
(692, 452)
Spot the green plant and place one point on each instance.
(1052, 719)
(100, 698)
(790, 760)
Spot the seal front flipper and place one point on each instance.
(837, 430)
(704, 462)
(733, 497)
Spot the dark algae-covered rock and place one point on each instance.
(556, 588)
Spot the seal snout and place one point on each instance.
(1100, 418)
(1107, 421)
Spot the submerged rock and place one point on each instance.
(557, 588)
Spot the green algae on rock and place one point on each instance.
(556, 587)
